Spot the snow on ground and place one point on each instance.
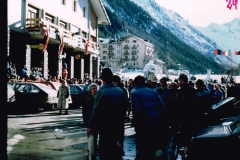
(134, 73)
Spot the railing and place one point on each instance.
(134, 59)
(110, 54)
(34, 25)
(134, 53)
(126, 47)
(125, 53)
(126, 59)
(134, 47)
(110, 48)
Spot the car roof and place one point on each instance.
(45, 88)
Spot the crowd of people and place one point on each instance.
(159, 108)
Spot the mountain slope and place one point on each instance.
(128, 18)
(183, 30)
(227, 35)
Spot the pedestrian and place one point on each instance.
(152, 81)
(63, 94)
(88, 104)
(117, 81)
(108, 116)
(148, 120)
(23, 73)
(163, 90)
(187, 98)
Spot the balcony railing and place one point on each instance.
(110, 54)
(125, 53)
(134, 47)
(36, 25)
(110, 48)
(134, 59)
(126, 59)
(126, 47)
(134, 53)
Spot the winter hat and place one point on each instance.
(153, 78)
(92, 86)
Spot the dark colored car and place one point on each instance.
(220, 142)
(35, 95)
(77, 95)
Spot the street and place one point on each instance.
(47, 135)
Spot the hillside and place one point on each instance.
(128, 18)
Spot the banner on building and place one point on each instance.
(227, 53)
(45, 29)
(61, 45)
(217, 51)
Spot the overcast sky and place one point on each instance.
(201, 13)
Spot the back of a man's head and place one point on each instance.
(116, 79)
(107, 75)
(183, 77)
(139, 81)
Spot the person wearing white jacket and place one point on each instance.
(63, 94)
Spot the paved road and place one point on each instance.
(47, 135)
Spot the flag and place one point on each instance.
(61, 46)
(217, 51)
(237, 53)
(226, 53)
(46, 36)
(87, 43)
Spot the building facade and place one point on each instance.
(130, 52)
(50, 33)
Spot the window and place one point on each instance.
(104, 46)
(137, 45)
(118, 46)
(104, 52)
(49, 18)
(127, 41)
(63, 2)
(84, 11)
(110, 46)
(63, 24)
(118, 52)
(75, 5)
(84, 34)
(73, 90)
(134, 41)
(104, 57)
(137, 51)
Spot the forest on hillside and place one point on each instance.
(130, 19)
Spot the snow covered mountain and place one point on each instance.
(183, 30)
(227, 36)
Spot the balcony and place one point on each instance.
(35, 27)
(111, 54)
(110, 48)
(126, 47)
(134, 47)
(134, 59)
(126, 59)
(134, 53)
(126, 53)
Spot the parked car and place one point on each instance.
(55, 86)
(10, 94)
(34, 95)
(77, 95)
(216, 142)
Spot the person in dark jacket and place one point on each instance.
(117, 81)
(108, 116)
(88, 104)
(187, 98)
(148, 120)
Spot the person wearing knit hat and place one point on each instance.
(87, 107)
(152, 81)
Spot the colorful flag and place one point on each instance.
(46, 36)
(61, 45)
(87, 43)
(226, 53)
(217, 51)
(237, 53)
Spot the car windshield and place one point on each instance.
(44, 87)
(235, 126)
